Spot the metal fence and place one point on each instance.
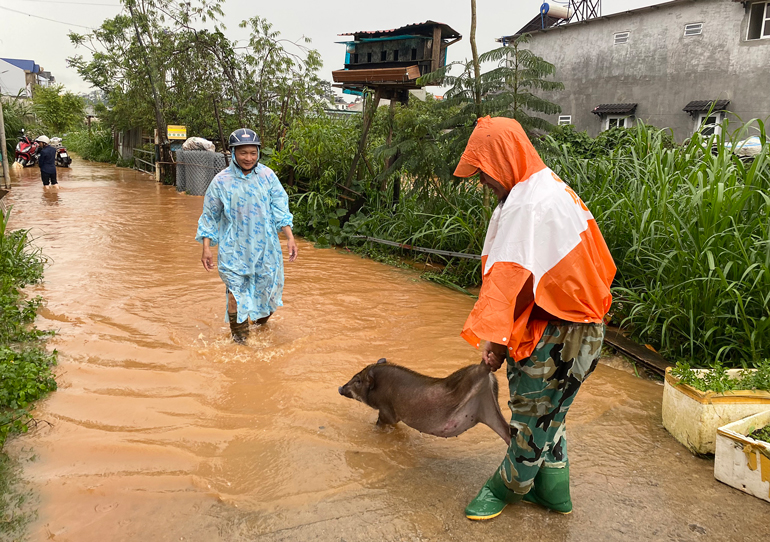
(196, 169)
(144, 160)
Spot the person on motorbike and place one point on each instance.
(47, 162)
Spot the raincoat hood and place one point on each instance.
(500, 148)
(236, 170)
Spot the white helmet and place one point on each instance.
(43, 139)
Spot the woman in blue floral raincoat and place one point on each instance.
(244, 208)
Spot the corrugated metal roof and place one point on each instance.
(27, 65)
(446, 30)
(609, 109)
(706, 105)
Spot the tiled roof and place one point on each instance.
(447, 32)
(706, 105)
(609, 109)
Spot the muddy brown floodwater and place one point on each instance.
(163, 429)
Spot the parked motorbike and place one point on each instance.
(63, 158)
(26, 151)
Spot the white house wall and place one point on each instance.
(12, 80)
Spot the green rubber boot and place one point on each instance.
(240, 331)
(551, 489)
(491, 500)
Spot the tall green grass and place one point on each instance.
(690, 233)
(16, 115)
(96, 146)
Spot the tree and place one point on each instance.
(200, 79)
(523, 76)
(284, 83)
(508, 90)
(56, 110)
(430, 138)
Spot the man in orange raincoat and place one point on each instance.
(546, 289)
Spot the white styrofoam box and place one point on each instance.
(741, 461)
(693, 416)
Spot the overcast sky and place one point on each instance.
(47, 44)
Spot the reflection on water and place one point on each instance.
(163, 429)
(51, 196)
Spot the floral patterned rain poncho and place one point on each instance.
(243, 214)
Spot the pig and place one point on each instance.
(444, 407)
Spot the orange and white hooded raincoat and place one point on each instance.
(542, 230)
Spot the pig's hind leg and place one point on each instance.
(489, 411)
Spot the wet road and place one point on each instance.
(162, 429)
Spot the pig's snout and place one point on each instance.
(340, 390)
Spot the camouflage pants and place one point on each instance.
(543, 387)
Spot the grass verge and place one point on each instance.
(26, 367)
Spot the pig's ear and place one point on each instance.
(368, 380)
(381, 360)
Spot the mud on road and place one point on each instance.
(163, 429)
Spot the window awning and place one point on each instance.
(699, 106)
(614, 109)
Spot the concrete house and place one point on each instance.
(19, 76)
(678, 65)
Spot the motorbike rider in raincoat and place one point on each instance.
(46, 160)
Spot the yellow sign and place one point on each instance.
(176, 132)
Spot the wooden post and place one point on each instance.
(4, 149)
(364, 134)
(436, 56)
(389, 140)
(157, 158)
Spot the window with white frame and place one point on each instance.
(709, 124)
(614, 121)
(693, 29)
(621, 37)
(565, 119)
(759, 21)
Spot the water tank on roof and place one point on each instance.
(555, 10)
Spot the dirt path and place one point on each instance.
(165, 430)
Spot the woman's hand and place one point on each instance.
(493, 355)
(207, 258)
(292, 245)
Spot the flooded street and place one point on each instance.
(163, 429)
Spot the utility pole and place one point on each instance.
(477, 81)
(4, 149)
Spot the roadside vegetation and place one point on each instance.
(95, 145)
(26, 367)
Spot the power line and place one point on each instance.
(45, 18)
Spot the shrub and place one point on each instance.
(25, 367)
(95, 146)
